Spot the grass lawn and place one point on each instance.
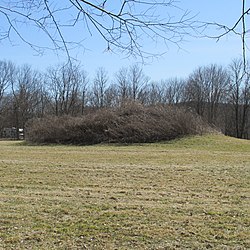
(192, 193)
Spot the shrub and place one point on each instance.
(131, 123)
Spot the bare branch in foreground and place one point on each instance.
(239, 28)
(126, 26)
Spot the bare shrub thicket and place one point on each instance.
(131, 123)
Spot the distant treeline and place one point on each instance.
(219, 95)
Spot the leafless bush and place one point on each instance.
(131, 123)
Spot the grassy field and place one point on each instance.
(192, 193)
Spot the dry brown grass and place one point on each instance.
(188, 194)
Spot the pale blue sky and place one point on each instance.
(176, 62)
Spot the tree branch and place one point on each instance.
(123, 25)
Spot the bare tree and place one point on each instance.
(25, 95)
(83, 77)
(155, 93)
(123, 25)
(64, 84)
(99, 88)
(174, 89)
(6, 74)
(123, 84)
(112, 96)
(53, 82)
(207, 88)
(138, 82)
(195, 91)
(7, 70)
(239, 96)
(244, 128)
(216, 81)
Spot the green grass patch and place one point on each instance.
(192, 193)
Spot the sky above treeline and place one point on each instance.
(176, 62)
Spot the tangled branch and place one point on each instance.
(124, 25)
